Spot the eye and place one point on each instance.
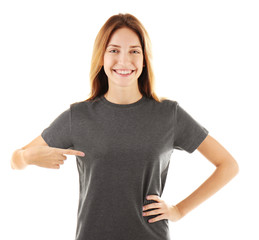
(135, 51)
(112, 51)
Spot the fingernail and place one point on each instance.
(82, 154)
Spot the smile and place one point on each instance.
(123, 73)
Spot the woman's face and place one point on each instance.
(123, 58)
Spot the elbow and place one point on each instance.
(232, 167)
(235, 167)
(229, 168)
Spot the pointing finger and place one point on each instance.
(72, 152)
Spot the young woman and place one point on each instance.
(123, 136)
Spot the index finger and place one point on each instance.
(72, 152)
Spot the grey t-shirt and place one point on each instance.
(127, 154)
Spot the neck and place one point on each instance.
(123, 98)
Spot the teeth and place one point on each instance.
(123, 72)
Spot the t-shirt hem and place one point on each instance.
(200, 138)
(47, 139)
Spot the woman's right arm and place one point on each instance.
(40, 154)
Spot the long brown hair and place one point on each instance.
(98, 78)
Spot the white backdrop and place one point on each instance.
(205, 57)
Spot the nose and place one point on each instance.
(124, 58)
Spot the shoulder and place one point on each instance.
(166, 103)
(165, 107)
(81, 105)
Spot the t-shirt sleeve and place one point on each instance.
(58, 133)
(189, 134)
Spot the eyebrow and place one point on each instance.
(114, 45)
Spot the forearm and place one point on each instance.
(220, 177)
(17, 161)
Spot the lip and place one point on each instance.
(123, 75)
(123, 69)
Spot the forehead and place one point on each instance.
(124, 36)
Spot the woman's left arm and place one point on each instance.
(226, 169)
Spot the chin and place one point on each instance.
(123, 82)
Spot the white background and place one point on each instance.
(206, 56)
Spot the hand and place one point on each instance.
(48, 157)
(167, 212)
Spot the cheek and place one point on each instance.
(139, 60)
(105, 64)
(108, 62)
(140, 63)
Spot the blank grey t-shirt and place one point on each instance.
(127, 154)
